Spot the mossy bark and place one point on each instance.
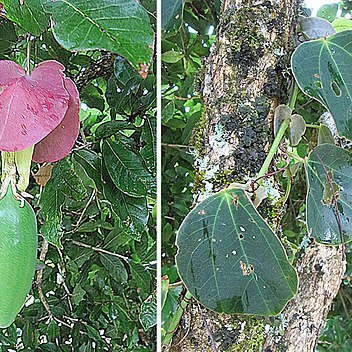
(246, 77)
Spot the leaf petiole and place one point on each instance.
(284, 125)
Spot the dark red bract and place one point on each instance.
(41, 108)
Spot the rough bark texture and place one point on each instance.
(247, 76)
(320, 272)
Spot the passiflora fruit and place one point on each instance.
(18, 252)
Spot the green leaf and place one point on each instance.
(297, 129)
(91, 163)
(132, 211)
(121, 26)
(140, 276)
(63, 183)
(164, 290)
(169, 10)
(93, 97)
(147, 316)
(8, 37)
(30, 15)
(114, 266)
(78, 294)
(93, 333)
(148, 136)
(127, 93)
(328, 12)
(315, 28)
(329, 200)
(125, 168)
(341, 24)
(110, 128)
(230, 260)
(321, 70)
(171, 57)
(282, 112)
(325, 135)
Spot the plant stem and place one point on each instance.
(101, 250)
(312, 126)
(284, 125)
(8, 167)
(176, 320)
(28, 63)
(273, 149)
(293, 97)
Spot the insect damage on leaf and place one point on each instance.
(246, 269)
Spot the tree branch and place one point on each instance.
(103, 67)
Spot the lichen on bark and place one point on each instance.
(244, 80)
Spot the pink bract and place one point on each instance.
(58, 143)
(31, 107)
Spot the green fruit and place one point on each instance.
(18, 253)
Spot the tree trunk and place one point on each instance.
(247, 76)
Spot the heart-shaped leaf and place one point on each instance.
(322, 71)
(325, 135)
(328, 11)
(58, 143)
(230, 260)
(30, 106)
(297, 128)
(315, 27)
(122, 26)
(282, 112)
(329, 198)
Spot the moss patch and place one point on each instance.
(247, 335)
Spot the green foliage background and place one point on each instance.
(99, 270)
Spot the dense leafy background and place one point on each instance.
(99, 271)
(186, 40)
(187, 34)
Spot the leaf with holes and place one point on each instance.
(121, 26)
(321, 69)
(230, 260)
(328, 11)
(329, 200)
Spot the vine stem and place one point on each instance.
(28, 62)
(175, 321)
(284, 125)
(101, 250)
(45, 247)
